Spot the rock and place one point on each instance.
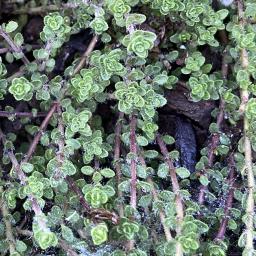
(178, 102)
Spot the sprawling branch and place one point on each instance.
(14, 47)
(8, 227)
(162, 216)
(244, 95)
(42, 128)
(133, 150)
(229, 200)
(86, 54)
(117, 166)
(175, 187)
(215, 137)
(23, 179)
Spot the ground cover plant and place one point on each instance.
(127, 127)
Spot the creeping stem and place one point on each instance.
(175, 187)
(117, 166)
(244, 95)
(8, 227)
(133, 150)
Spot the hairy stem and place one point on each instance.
(229, 201)
(215, 137)
(22, 114)
(13, 46)
(162, 216)
(117, 166)
(133, 150)
(86, 54)
(42, 128)
(244, 94)
(23, 179)
(8, 227)
(175, 187)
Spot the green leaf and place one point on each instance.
(87, 170)
(107, 172)
(99, 234)
(18, 39)
(11, 26)
(232, 224)
(169, 140)
(27, 167)
(150, 153)
(20, 246)
(163, 171)
(67, 233)
(182, 172)
(68, 167)
(204, 180)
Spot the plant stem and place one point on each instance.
(8, 227)
(133, 150)
(14, 47)
(43, 9)
(133, 171)
(86, 54)
(229, 201)
(60, 158)
(40, 132)
(215, 137)
(175, 187)
(244, 94)
(117, 166)
(22, 114)
(23, 179)
(62, 243)
(162, 216)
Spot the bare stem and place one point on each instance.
(8, 227)
(22, 114)
(162, 216)
(229, 201)
(40, 132)
(14, 47)
(23, 179)
(117, 166)
(133, 150)
(215, 137)
(43, 9)
(175, 187)
(86, 54)
(244, 94)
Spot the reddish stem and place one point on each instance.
(117, 166)
(215, 137)
(23, 179)
(86, 54)
(230, 198)
(174, 180)
(78, 192)
(14, 47)
(133, 150)
(162, 216)
(22, 114)
(40, 133)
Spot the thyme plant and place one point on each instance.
(88, 171)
